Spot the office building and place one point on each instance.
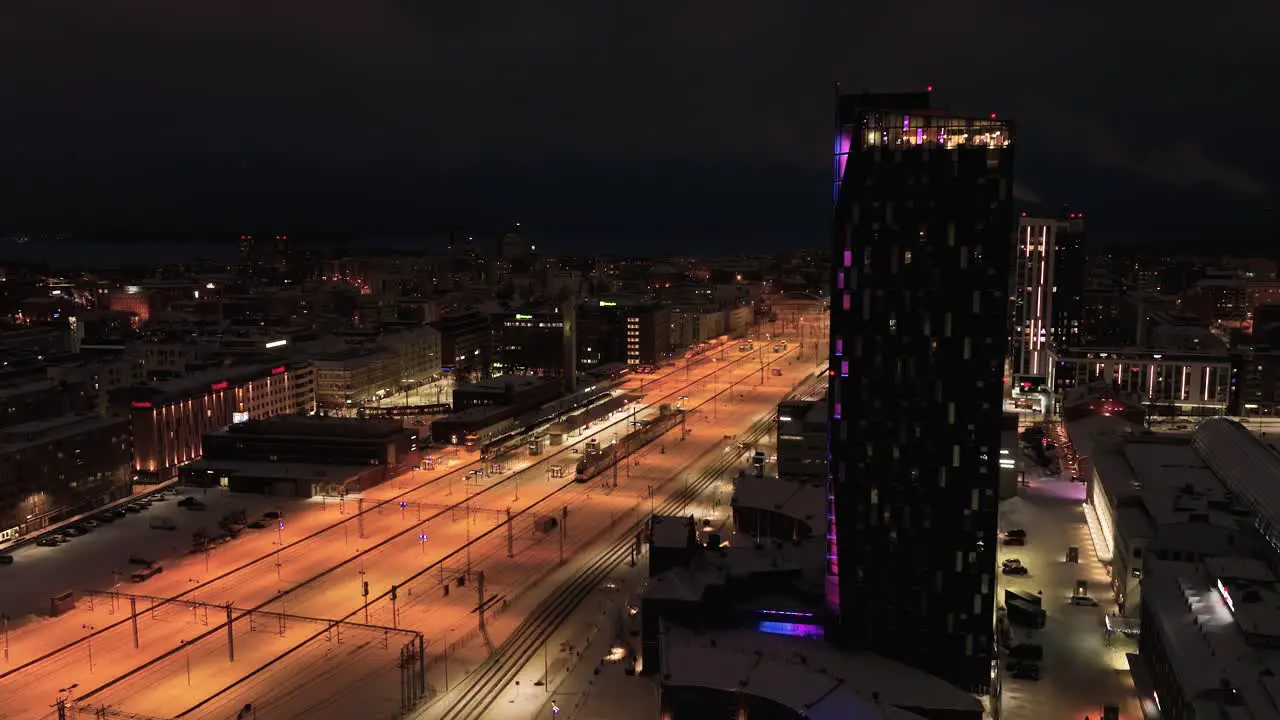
(1047, 291)
(922, 239)
(634, 332)
(536, 342)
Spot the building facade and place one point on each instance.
(1047, 291)
(170, 420)
(1167, 383)
(921, 244)
(802, 439)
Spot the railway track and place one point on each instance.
(413, 528)
(503, 665)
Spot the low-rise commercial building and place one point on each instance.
(1210, 629)
(1181, 497)
(303, 456)
(1172, 383)
(514, 391)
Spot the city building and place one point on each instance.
(922, 239)
(58, 454)
(1207, 649)
(507, 391)
(693, 324)
(636, 332)
(1167, 383)
(170, 419)
(802, 439)
(303, 456)
(465, 344)
(1156, 495)
(354, 369)
(536, 341)
(55, 468)
(1047, 290)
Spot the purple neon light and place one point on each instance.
(788, 613)
(919, 136)
(848, 258)
(906, 123)
(837, 412)
(844, 368)
(839, 281)
(791, 629)
(839, 346)
(845, 302)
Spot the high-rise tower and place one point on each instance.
(922, 237)
(1047, 291)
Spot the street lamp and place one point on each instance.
(422, 542)
(187, 654)
(279, 545)
(89, 642)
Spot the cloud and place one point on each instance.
(1185, 163)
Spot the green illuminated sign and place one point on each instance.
(520, 316)
(608, 303)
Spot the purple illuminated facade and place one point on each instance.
(922, 237)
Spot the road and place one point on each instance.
(1082, 672)
(325, 548)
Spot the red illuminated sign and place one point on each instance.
(140, 404)
(219, 386)
(277, 370)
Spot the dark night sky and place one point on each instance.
(609, 117)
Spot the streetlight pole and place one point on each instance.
(279, 545)
(89, 642)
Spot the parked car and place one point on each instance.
(1015, 541)
(50, 541)
(257, 524)
(135, 508)
(105, 519)
(6, 559)
(90, 523)
(1083, 601)
(273, 515)
(1015, 570)
(187, 501)
(1016, 533)
(1011, 562)
(118, 513)
(75, 531)
(196, 505)
(145, 573)
(139, 560)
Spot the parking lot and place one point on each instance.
(100, 559)
(1082, 669)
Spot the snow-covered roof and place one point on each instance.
(1206, 643)
(1250, 468)
(805, 674)
(800, 500)
(671, 531)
